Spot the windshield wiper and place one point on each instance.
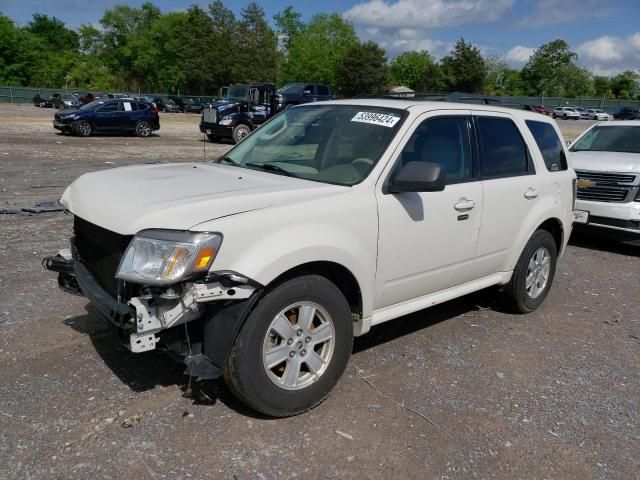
(272, 167)
(229, 160)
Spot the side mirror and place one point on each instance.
(418, 177)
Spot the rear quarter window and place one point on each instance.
(549, 144)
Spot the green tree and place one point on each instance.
(288, 27)
(53, 32)
(542, 73)
(602, 86)
(626, 85)
(578, 82)
(363, 69)
(256, 56)
(416, 70)
(464, 68)
(315, 53)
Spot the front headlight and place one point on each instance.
(163, 257)
(227, 120)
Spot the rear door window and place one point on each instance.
(323, 90)
(549, 144)
(503, 152)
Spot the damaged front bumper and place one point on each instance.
(146, 320)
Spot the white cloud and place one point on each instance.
(519, 55)
(562, 11)
(403, 25)
(422, 14)
(610, 55)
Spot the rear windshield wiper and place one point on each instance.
(271, 167)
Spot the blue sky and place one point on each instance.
(605, 33)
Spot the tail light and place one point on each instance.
(154, 108)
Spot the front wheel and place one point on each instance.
(293, 347)
(83, 128)
(143, 129)
(533, 275)
(240, 132)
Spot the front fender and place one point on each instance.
(263, 245)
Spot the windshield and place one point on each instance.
(290, 87)
(68, 96)
(238, 93)
(619, 138)
(338, 144)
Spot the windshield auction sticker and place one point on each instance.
(381, 119)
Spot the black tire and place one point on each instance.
(143, 129)
(213, 138)
(564, 117)
(248, 377)
(83, 128)
(240, 131)
(516, 296)
(554, 115)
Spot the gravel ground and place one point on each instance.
(462, 390)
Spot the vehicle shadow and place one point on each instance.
(604, 242)
(145, 371)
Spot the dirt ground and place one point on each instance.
(462, 390)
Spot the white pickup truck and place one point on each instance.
(331, 218)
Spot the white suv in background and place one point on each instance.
(566, 113)
(331, 218)
(607, 160)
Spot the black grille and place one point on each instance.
(607, 187)
(100, 250)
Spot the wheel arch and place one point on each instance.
(554, 227)
(336, 273)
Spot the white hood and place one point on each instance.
(179, 196)
(606, 161)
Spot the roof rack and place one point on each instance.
(439, 97)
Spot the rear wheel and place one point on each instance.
(240, 131)
(554, 115)
(564, 117)
(83, 128)
(143, 129)
(533, 275)
(293, 348)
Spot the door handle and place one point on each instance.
(531, 193)
(464, 205)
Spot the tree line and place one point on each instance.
(199, 50)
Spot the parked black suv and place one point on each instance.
(627, 113)
(118, 115)
(299, 92)
(42, 101)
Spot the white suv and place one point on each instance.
(566, 113)
(329, 219)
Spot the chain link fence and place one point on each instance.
(24, 95)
